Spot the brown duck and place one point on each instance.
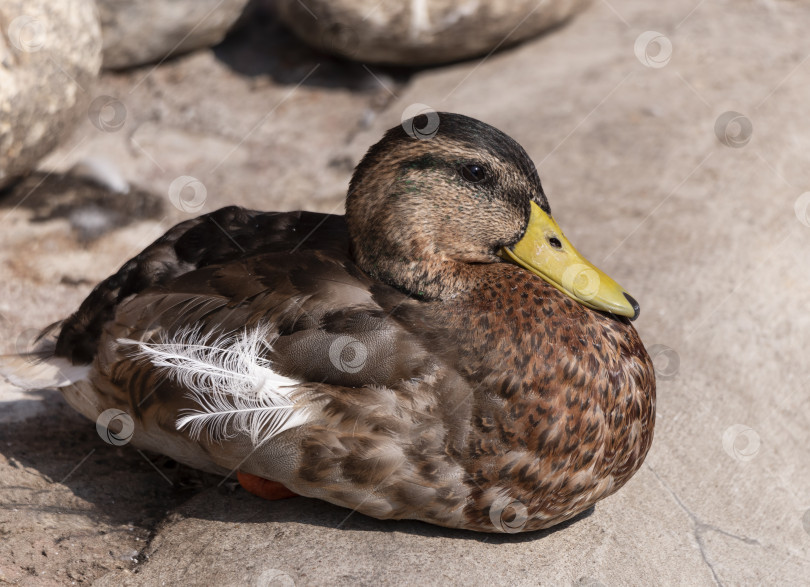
(439, 353)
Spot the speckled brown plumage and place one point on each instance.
(488, 400)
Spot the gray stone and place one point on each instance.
(50, 53)
(142, 31)
(420, 32)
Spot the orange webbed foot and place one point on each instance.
(263, 488)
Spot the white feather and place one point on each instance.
(235, 386)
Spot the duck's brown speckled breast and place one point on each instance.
(564, 397)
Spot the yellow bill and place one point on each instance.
(545, 251)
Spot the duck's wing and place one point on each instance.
(318, 315)
(218, 273)
(215, 238)
(293, 366)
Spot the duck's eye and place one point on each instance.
(473, 173)
(554, 242)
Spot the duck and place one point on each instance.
(440, 353)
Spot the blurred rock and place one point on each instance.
(420, 32)
(50, 53)
(142, 31)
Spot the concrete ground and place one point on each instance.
(703, 216)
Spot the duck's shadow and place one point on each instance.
(244, 508)
(128, 486)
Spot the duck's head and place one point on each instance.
(422, 212)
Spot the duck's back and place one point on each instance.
(218, 238)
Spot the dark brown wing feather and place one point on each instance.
(219, 237)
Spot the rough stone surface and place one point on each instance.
(711, 239)
(420, 32)
(143, 31)
(50, 54)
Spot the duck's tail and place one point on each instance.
(41, 369)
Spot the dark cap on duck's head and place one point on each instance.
(455, 141)
(442, 192)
